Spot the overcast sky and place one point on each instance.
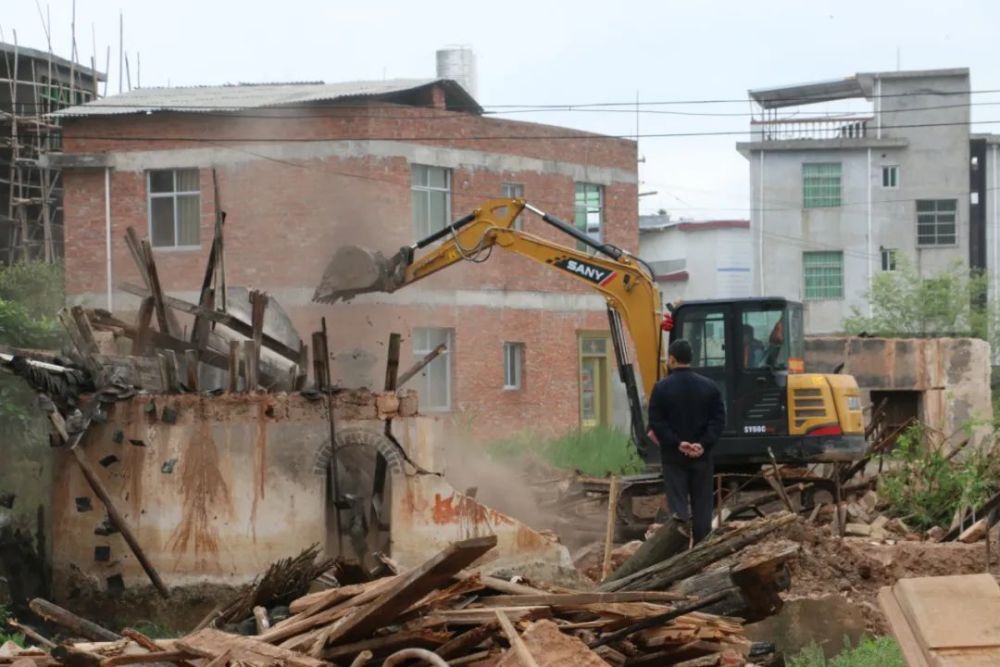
(541, 53)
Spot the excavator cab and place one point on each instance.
(753, 348)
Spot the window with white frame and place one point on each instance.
(433, 384)
(823, 274)
(888, 259)
(430, 192)
(936, 222)
(589, 205)
(890, 176)
(174, 208)
(514, 191)
(513, 365)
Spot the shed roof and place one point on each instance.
(243, 96)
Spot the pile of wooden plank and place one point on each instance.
(446, 609)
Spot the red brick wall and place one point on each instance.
(286, 216)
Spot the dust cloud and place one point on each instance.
(504, 485)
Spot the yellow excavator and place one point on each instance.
(752, 348)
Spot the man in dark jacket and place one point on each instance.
(687, 415)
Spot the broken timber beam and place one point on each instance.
(234, 323)
(154, 288)
(114, 515)
(419, 366)
(661, 575)
(410, 588)
(67, 619)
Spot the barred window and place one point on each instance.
(820, 184)
(823, 274)
(936, 222)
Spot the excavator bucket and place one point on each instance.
(355, 270)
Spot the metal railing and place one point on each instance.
(787, 129)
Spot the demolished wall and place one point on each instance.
(218, 487)
(951, 374)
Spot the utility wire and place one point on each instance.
(579, 135)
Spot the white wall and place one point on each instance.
(718, 261)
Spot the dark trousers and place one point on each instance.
(690, 495)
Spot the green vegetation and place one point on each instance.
(904, 304)
(30, 296)
(878, 652)
(926, 488)
(155, 630)
(596, 451)
(5, 637)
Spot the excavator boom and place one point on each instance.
(626, 283)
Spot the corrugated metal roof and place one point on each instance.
(239, 97)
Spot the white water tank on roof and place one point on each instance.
(458, 63)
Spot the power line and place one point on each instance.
(578, 135)
(630, 105)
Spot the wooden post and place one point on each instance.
(141, 341)
(250, 359)
(321, 342)
(258, 304)
(838, 499)
(609, 531)
(172, 375)
(115, 516)
(154, 288)
(718, 501)
(319, 360)
(392, 362)
(220, 259)
(381, 465)
(191, 369)
(234, 366)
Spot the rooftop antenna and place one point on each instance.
(138, 69)
(897, 59)
(107, 71)
(121, 51)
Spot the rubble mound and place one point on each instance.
(857, 568)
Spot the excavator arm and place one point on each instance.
(627, 284)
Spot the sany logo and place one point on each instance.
(594, 274)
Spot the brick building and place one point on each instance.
(303, 168)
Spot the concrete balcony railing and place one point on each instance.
(790, 129)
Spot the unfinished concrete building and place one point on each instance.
(33, 84)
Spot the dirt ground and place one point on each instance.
(857, 568)
(854, 568)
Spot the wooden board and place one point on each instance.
(410, 588)
(913, 653)
(209, 643)
(960, 611)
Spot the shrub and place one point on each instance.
(927, 489)
(877, 652)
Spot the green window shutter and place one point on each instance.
(823, 274)
(821, 184)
